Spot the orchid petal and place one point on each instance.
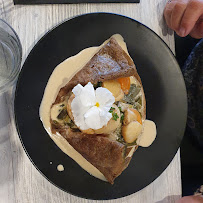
(78, 111)
(86, 114)
(104, 97)
(92, 118)
(105, 117)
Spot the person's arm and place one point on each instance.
(185, 17)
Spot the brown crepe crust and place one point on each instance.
(105, 154)
(108, 156)
(109, 63)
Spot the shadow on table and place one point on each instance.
(162, 23)
(8, 147)
(4, 118)
(170, 199)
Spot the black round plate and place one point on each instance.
(165, 95)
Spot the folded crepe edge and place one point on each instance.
(76, 79)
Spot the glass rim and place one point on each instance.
(17, 66)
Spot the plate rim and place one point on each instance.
(20, 75)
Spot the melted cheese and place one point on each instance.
(60, 168)
(149, 134)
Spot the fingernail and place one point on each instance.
(182, 32)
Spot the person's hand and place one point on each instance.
(191, 199)
(185, 17)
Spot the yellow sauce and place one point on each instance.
(60, 168)
(149, 134)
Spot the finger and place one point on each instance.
(197, 31)
(190, 17)
(177, 14)
(168, 11)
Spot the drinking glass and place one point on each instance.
(10, 56)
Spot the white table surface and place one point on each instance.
(19, 179)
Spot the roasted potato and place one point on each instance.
(115, 88)
(111, 125)
(69, 106)
(131, 131)
(131, 115)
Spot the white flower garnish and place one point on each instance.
(90, 108)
